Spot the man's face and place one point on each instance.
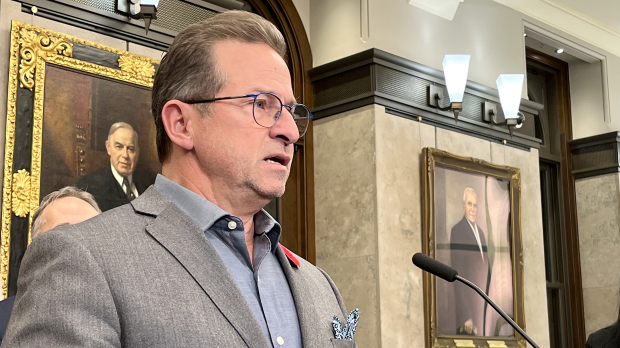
(239, 157)
(66, 211)
(470, 207)
(123, 151)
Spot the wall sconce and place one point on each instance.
(455, 68)
(509, 87)
(145, 9)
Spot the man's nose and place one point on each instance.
(285, 128)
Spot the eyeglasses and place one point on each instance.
(267, 109)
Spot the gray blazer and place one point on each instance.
(144, 275)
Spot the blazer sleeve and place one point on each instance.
(63, 298)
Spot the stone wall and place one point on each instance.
(598, 212)
(368, 219)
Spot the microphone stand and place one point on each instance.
(501, 312)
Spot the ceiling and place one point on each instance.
(603, 12)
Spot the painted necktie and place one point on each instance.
(128, 190)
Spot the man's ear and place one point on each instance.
(176, 118)
(107, 146)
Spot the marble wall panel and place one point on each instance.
(463, 145)
(598, 214)
(600, 307)
(498, 154)
(346, 213)
(345, 185)
(399, 228)
(427, 135)
(535, 290)
(357, 281)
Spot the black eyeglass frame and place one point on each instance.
(255, 96)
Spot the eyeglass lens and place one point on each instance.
(267, 110)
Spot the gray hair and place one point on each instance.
(468, 190)
(189, 71)
(69, 191)
(116, 126)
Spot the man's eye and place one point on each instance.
(260, 103)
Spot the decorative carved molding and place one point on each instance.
(20, 197)
(136, 65)
(33, 46)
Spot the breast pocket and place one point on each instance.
(343, 343)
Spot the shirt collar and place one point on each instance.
(205, 213)
(119, 177)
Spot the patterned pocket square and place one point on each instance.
(346, 332)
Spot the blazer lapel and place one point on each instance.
(303, 304)
(178, 234)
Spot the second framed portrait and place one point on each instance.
(471, 219)
(78, 114)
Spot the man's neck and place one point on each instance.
(243, 206)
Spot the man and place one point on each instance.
(68, 205)
(115, 184)
(194, 261)
(469, 257)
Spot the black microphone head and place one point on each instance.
(435, 267)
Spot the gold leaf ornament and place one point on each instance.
(21, 193)
(135, 65)
(33, 46)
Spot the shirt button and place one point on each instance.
(232, 225)
(280, 340)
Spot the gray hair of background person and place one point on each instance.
(116, 126)
(468, 190)
(69, 191)
(189, 72)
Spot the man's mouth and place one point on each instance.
(281, 159)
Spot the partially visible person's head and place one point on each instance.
(68, 205)
(470, 205)
(122, 146)
(190, 71)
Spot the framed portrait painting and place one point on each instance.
(471, 219)
(70, 102)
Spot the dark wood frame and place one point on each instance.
(568, 186)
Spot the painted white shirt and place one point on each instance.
(119, 178)
(474, 228)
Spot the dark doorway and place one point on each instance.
(548, 84)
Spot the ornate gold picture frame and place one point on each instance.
(63, 95)
(471, 219)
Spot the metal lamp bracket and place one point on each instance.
(435, 95)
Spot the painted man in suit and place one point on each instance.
(115, 184)
(68, 205)
(194, 261)
(469, 257)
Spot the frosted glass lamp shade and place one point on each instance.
(455, 68)
(509, 87)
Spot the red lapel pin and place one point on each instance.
(289, 255)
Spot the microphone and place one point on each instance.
(449, 274)
(435, 267)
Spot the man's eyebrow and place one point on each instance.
(290, 102)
